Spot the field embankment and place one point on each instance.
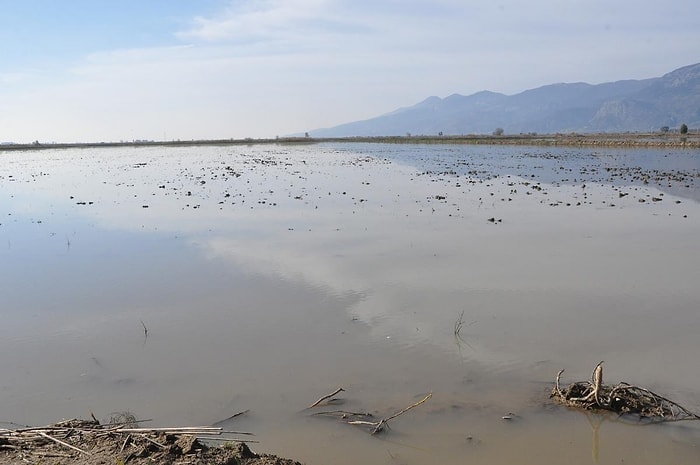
(675, 140)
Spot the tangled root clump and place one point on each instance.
(622, 398)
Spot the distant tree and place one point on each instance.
(665, 128)
(306, 134)
(684, 128)
(498, 132)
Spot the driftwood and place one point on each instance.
(364, 419)
(330, 397)
(378, 426)
(622, 398)
(344, 414)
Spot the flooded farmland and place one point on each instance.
(188, 284)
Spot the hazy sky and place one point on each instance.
(92, 70)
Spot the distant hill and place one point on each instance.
(632, 105)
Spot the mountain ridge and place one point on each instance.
(630, 105)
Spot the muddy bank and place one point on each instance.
(83, 442)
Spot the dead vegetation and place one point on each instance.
(459, 324)
(82, 442)
(361, 418)
(123, 441)
(622, 398)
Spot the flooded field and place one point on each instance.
(269, 275)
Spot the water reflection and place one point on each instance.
(268, 275)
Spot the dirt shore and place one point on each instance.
(81, 442)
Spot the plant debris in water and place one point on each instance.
(622, 398)
(360, 418)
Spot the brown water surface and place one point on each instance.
(268, 276)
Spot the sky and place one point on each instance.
(99, 70)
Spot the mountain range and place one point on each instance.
(621, 106)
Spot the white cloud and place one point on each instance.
(253, 21)
(7, 79)
(263, 68)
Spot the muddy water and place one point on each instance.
(268, 276)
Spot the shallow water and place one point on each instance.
(269, 275)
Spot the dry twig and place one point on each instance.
(329, 397)
(344, 414)
(174, 430)
(378, 426)
(235, 415)
(65, 444)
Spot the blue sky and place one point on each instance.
(94, 70)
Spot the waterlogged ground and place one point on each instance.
(270, 275)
